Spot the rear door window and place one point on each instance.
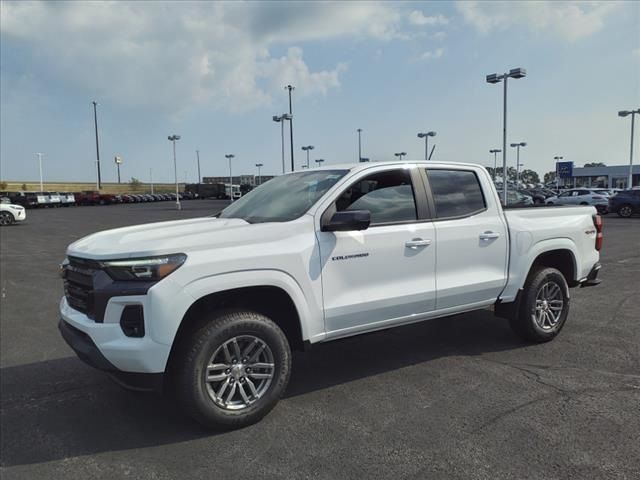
(456, 193)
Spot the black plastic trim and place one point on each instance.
(592, 279)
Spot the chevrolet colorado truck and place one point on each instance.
(212, 307)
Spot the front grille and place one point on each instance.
(78, 285)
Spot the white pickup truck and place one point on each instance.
(213, 306)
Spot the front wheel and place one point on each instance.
(6, 218)
(232, 371)
(545, 306)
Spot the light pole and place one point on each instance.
(40, 164)
(307, 148)
(495, 152)
(556, 158)
(95, 122)
(400, 154)
(229, 156)
(426, 142)
(174, 138)
(151, 179)
(118, 161)
(199, 177)
(518, 145)
(495, 78)
(633, 113)
(291, 88)
(359, 144)
(259, 165)
(319, 161)
(281, 119)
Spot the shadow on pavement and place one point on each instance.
(61, 408)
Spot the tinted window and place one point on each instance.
(387, 195)
(455, 192)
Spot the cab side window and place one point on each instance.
(388, 196)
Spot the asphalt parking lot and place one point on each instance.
(459, 397)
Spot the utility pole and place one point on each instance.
(118, 161)
(359, 145)
(151, 179)
(95, 121)
(633, 114)
(291, 88)
(199, 177)
(174, 138)
(229, 157)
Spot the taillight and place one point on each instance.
(597, 222)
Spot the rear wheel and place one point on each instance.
(545, 306)
(6, 218)
(231, 371)
(625, 211)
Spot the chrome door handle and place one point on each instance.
(417, 243)
(489, 235)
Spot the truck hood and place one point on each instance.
(166, 237)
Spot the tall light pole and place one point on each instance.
(229, 156)
(40, 165)
(557, 158)
(633, 113)
(495, 152)
(174, 138)
(95, 122)
(291, 88)
(199, 177)
(426, 142)
(400, 154)
(496, 78)
(259, 165)
(151, 179)
(118, 161)
(518, 145)
(319, 161)
(307, 148)
(281, 119)
(359, 144)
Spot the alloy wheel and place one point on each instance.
(549, 305)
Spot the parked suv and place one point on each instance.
(625, 203)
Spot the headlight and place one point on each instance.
(144, 269)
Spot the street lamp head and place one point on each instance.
(493, 78)
(259, 165)
(624, 113)
(359, 130)
(495, 150)
(514, 144)
(286, 116)
(422, 135)
(229, 156)
(276, 118)
(173, 138)
(431, 134)
(289, 87)
(517, 73)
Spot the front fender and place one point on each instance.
(311, 322)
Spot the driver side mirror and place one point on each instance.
(347, 221)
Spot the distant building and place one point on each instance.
(614, 176)
(239, 179)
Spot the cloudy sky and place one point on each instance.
(214, 73)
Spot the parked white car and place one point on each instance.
(213, 306)
(67, 199)
(10, 213)
(581, 196)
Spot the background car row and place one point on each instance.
(65, 199)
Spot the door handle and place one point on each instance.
(489, 235)
(417, 243)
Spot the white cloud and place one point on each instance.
(416, 17)
(432, 54)
(173, 55)
(570, 20)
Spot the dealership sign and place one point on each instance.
(565, 169)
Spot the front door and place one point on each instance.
(386, 273)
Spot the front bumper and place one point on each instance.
(89, 353)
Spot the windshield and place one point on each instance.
(283, 198)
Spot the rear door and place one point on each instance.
(386, 273)
(471, 238)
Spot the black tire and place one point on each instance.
(6, 218)
(625, 211)
(584, 203)
(525, 322)
(189, 367)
